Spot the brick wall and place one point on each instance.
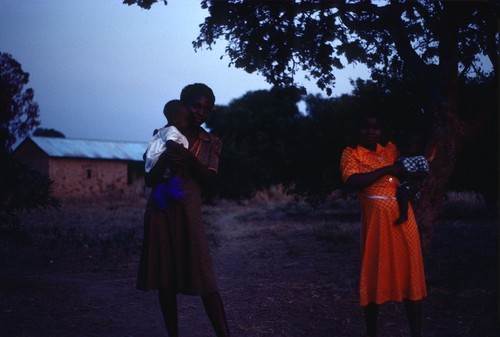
(80, 178)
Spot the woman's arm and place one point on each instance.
(184, 158)
(204, 175)
(362, 180)
(153, 177)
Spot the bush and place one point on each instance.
(23, 188)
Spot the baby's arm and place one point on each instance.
(421, 175)
(172, 133)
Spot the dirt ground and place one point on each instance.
(284, 269)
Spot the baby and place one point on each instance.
(177, 117)
(415, 169)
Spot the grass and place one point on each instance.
(84, 231)
(466, 205)
(108, 229)
(286, 268)
(336, 233)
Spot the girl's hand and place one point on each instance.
(396, 169)
(362, 180)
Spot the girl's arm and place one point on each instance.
(361, 180)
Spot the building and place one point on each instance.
(86, 168)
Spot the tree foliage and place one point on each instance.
(259, 131)
(21, 188)
(18, 112)
(477, 166)
(280, 38)
(43, 132)
(268, 141)
(432, 47)
(146, 4)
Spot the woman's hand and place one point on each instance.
(177, 153)
(174, 154)
(182, 157)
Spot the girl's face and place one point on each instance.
(199, 109)
(369, 133)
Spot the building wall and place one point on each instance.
(135, 179)
(33, 156)
(81, 177)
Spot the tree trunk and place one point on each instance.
(445, 146)
(443, 151)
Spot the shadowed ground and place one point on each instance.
(284, 269)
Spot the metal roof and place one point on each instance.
(92, 149)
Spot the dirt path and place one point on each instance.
(283, 270)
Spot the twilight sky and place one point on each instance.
(104, 70)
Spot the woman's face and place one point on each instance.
(369, 133)
(199, 109)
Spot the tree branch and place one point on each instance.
(492, 29)
(403, 45)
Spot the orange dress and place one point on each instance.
(391, 258)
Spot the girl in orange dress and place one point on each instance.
(391, 258)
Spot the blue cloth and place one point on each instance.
(169, 190)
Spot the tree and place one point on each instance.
(260, 132)
(21, 188)
(435, 45)
(42, 132)
(268, 141)
(332, 125)
(18, 111)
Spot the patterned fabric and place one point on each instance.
(175, 254)
(391, 258)
(414, 164)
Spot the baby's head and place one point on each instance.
(176, 114)
(413, 144)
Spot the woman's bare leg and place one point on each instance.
(168, 304)
(216, 314)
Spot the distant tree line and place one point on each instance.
(52, 133)
(267, 140)
(21, 187)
